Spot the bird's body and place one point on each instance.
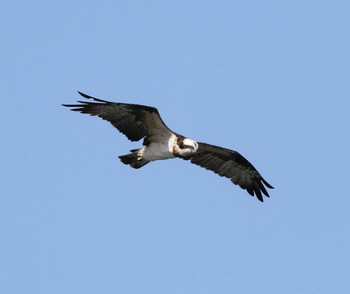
(160, 148)
(144, 122)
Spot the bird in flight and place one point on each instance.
(138, 122)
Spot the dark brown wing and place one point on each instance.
(133, 120)
(230, 164)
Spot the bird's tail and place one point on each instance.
(133, 159)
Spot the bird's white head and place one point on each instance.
(185, 147)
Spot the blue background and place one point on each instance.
(269, 79)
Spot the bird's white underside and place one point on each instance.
(160, 148)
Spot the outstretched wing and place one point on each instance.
(133, 120)
(230, 164)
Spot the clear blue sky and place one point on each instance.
(270, 79)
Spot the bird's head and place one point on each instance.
(187, 148)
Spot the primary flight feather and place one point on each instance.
(138, 122)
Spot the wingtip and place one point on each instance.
(90, 97)
(85, 95)
(258, 195)
(267, 184)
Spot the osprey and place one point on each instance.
(140, 121)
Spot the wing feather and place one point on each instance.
(133, 120)
(230, 164)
